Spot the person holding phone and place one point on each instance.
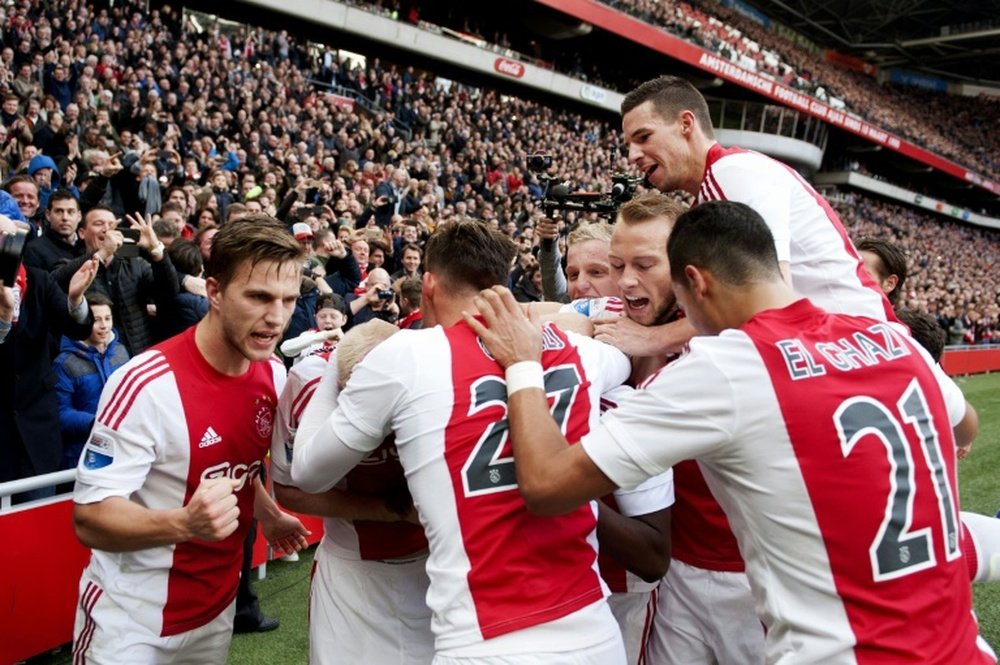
(133, 282)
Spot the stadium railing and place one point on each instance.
(40, 565)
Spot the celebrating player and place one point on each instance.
(827, 439)
(168, 481)
(367, 598)
(504, 584)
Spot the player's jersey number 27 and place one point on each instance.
(488, 469)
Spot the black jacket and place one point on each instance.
(131, 283)
(49, 250)
(30, 441)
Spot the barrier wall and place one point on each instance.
(40, 565)
(971, 360)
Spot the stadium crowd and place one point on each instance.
(145, 158)
(961, 128)
(140, 113)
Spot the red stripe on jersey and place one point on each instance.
(700, 531)
(647, 626)
(525, 570)
(970, 552)
(717, 152)
(381, 474)
(878, 480)
(302, 400)
(88, 600)
(127, 384)
(127, 403)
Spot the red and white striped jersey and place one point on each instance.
(166, 421)
(376, 474)
(828, 441)
(824, 265)
(503, 581)
(825, 268)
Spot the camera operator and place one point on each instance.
(378, 301)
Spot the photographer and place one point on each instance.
(378, 301)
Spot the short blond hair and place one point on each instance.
(650, 206)
(356, 344)
(599, 230)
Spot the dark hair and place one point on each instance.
(670, 96)
(470, 255)
(172, 206)
(83, 220)
(20, 178)
(186, 257)
(331, 300)
(727, 238)
(411, 288)
(925, 330)
(62, 195)
(164, 229)
(197, 215)
(98, 298)
(891, 261)
(412, 246)
(255, 238)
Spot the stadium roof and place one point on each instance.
(955, 39)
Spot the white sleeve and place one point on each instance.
(338, 430)
(954, 400)
(606, 366)
(653, 495)
(666, 422)
(116, 460)
(769, 192)
(302, 381)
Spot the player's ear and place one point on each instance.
(212, 291)
(696, 281)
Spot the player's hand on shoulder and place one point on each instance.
(509, 334)
(212, 512)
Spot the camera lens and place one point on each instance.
(11, 247)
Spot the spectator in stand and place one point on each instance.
(82, 368)
(203, 239)
(409, 265)
(886, 263)
(376, 302)
(60, 241)
(25, 191)
(46, 175)
(31, 310)
(410, 291)
(189, 307)
(135, 281)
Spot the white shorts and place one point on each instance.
(609, 652)
(705, 616)
(634, 613)
(369, 612)
(105, 632)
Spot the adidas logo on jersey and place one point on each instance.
(209, 438)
